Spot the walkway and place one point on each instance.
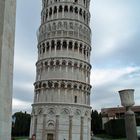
(96, 138)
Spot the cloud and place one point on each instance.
(19, 105)
(107, 83)
(115, 54)
(24, 65)
(23, 91)
(115, 32)
(102, 76)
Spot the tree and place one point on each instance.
(96, 122)
(21, 124)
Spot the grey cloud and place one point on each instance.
(126, 50)
(106, 95)
(23, 94)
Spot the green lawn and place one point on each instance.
(21, 138)
(109, 137)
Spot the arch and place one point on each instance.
(63, 85)
(70, 63)
(49, 84)
(64, 45)
(39, 85)
(70, 45)
(75, 86)
(60, 8)
(49, 27)
(77, 112)
(57, 62)
(51, 125)
(80, 12)
(55, 10)
(50, 12)
(71, 9)
(48, 46)
(76, 10)
(81, 65)
(56, 85)
(36, 86)
(44, 85)
(52, 44)
(66, 8)
(75, 64)
(63, 63)
(51, 63)
(65, 25)
(69, 86)
(84, 2)
(75, 46)
(46, 63)
(81, 47)
(65, 112)
(43, 48)
(54, 26)
(84, 15)
(80, 87)
(58, 45)
(59, 26)
(46, 14)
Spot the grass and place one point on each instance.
(21, 138)
(109, 137)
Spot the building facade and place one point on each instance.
(117, 113)
(7, 37)
(61, 108)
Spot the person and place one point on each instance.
(33, 137)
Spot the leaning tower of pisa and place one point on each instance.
(61, 108)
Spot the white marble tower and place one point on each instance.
(61, 108)
(7, 36)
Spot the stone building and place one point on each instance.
(117, 113)
(7, 36)
(61, 108)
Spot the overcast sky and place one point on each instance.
(115, 55)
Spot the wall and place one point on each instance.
(7, 33)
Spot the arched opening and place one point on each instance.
(70, 45)
(60, 8)
(66, 8)
(55, 10)
(50, 12)
(58, 45)
(76, 10)
(64, 45)
(52, 45)
(75, 99)
(76, 46)
(71, 9)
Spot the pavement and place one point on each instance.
(96, 138)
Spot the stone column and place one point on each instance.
(89, 128)
(35, 124)
(82, 128)
(44, 127)
(127, 100)
(70, 127)
(7, 36)
(57, 127)
(31, 126)
(130, 125)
